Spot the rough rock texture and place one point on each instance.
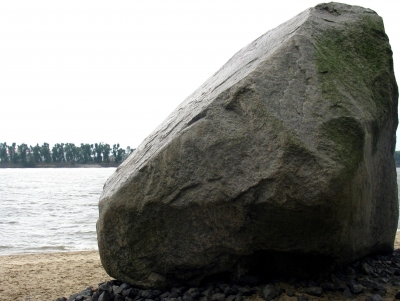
(281, 162)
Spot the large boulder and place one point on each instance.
(281, 162)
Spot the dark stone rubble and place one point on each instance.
(371, 279)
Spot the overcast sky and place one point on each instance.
(112, 71)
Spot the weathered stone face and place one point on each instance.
(281, 162)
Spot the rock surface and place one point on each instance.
(281, 163)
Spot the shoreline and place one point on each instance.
(47, 276)
(396, 246)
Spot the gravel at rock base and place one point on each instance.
(371, 279)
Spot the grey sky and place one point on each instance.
(112, 71)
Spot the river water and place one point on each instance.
(51, 209)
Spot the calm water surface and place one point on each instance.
(49, 209)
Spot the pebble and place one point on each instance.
(347, 294)
(312, 291)
(218, 297)
(270, 292)
(368, 279)
(356, 288)
(105, 296)
(375, 297)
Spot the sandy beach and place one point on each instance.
(48, 276)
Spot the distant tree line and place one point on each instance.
(62, 152)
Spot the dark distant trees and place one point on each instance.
(70, 152)
(12, 153)
(106, 152)
(37, 157)
(58, 153)
(86, 153)
(129, 150)
(62, 152)
(23, 151)
(118, 153)
(3, 152)
(97, 152)
(45, 152)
